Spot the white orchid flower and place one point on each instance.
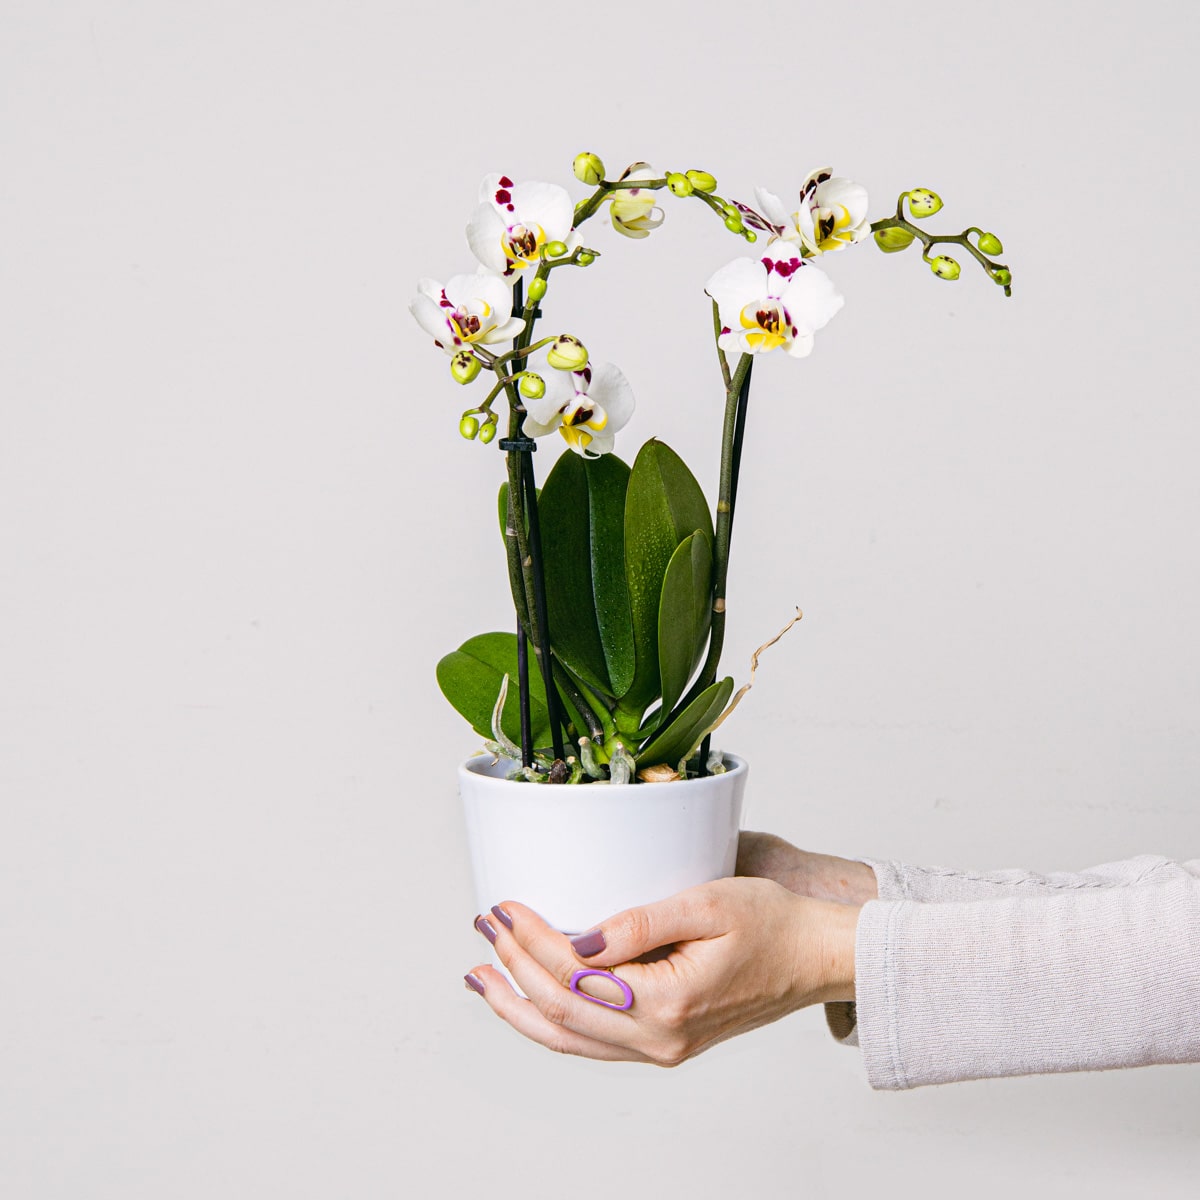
(633, 210)
(470, 310)
(515, 220)
(776, 302)
(587, 407)
(832, 214)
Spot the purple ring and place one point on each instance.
(625, 988)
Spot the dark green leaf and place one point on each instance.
(470, 679)
(683, 735)
(582, 516)
(684, 615)
(664, 504)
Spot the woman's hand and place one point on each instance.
(734, 954)
(819, 876)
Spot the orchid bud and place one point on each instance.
(568, 354)
(750, 235)
(944, 267)
(702, 181)
(679, 184)
(489, 430)
(588, 168)
(1003, 276)
(893, 239)
(555, 249)
(734, 224)
(469, 427)
(989, 243)
(731, 210)
(585, 258)
(536, 289)
(923, 203)
(532, 386)
(465, 367)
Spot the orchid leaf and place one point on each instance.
(470, 679)
(684, 615)
(685, 733)
(664, 504)
(582, 517)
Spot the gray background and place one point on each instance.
(239, 528)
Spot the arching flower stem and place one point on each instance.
(928, 240)
(736, 396)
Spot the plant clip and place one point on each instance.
(519, 444)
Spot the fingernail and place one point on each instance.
(487, 929)
(502, 916)
(587, 944)
(474, 983)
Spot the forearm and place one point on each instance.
(1084, 979)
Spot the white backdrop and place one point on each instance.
(239, 528)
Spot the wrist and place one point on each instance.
(831, 976)
(844, 881)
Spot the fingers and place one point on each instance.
(687, 916)
(525, 1017)
(541, 963)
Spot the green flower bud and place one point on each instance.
(588, 168)
(681, 185)
(469, 427)
(532, 386)
(734, 224)
(923, 203)
(750, 235)
(489, 430)
(585, 258)
(536, 290)
(945, 267)
(555, 249)
(1003, 276)
(731, 210)
(465, 367)
(568, 354)
(989, 243)
(702, 181)
(893, 239)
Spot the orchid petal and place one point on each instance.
(432, 318)
(801, 347)
(547, 205)
(811, 299)
(771, 207)
(738, 283)
(484, 233)
(610, 389)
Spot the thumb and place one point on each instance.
(683, 917)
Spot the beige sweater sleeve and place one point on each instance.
(966, 976)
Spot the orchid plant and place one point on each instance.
(618, 573)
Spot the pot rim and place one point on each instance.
(472, 767)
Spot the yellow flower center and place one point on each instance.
(521, 244)
(768, 324)
(578, 438)
(470, 325)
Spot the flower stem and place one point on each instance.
(542, 641)
(736, 397)
(523, 685)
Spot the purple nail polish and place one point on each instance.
(474, 983)
(588, 944)
(502, 916)
(487, 929)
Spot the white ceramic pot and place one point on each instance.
(577, 855)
